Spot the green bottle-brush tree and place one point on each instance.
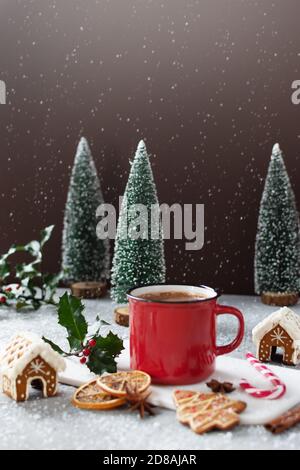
(277, 257)
(139, 256)
(85, 258)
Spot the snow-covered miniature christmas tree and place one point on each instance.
(85, 257)
(138, 261)
(277, 257)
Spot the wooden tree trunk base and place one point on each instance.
(122, 316)
(89, 290)
(285, 299)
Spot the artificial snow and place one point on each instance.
(55, 424)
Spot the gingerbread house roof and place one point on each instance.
(22, 349)
(284, 317)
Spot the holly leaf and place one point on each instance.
(75, 344)
(27, 271)
(70, 317)
(36, 304)
(46, 234)
(4, 270)
(54, 346)
(111, 344)
(21, 304)
(103, 355)
(34, 249)
(35, 292)
(50, 283)
(100, 362)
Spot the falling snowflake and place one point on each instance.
(278, 336)
(37, 367)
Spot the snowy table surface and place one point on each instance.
(55, 424)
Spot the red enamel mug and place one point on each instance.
(175, 342)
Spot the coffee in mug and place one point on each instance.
(172, 296)
(173, 332)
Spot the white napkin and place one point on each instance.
(228, 369)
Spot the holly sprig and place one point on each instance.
(32, 288)
(99, 353)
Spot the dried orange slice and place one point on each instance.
(91, 397)
(115, 384)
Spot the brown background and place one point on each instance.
(207, 83)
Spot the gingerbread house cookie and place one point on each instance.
(27, 360)
(280, 330)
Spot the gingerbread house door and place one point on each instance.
(37, 372)
(274, 341)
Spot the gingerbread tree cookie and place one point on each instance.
(281, 330)
(28, 360)
(204, 412)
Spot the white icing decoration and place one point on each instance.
(278, 335)
(32, 379)
(37, 367)
(30, 346)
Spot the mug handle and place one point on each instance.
(225, 310)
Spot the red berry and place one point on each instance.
(9, 289)
(86, 352)
(92, 343)
(2, 300)
(83, 360)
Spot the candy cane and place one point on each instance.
(277, 392)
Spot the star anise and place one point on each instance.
(138, 400)
(219, 387)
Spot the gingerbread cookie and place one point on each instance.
(204, 412)
(182, 397)
(224, 420)
(281, 329)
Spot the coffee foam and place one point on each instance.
(200, 292)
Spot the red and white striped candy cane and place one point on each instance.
(279, 387)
